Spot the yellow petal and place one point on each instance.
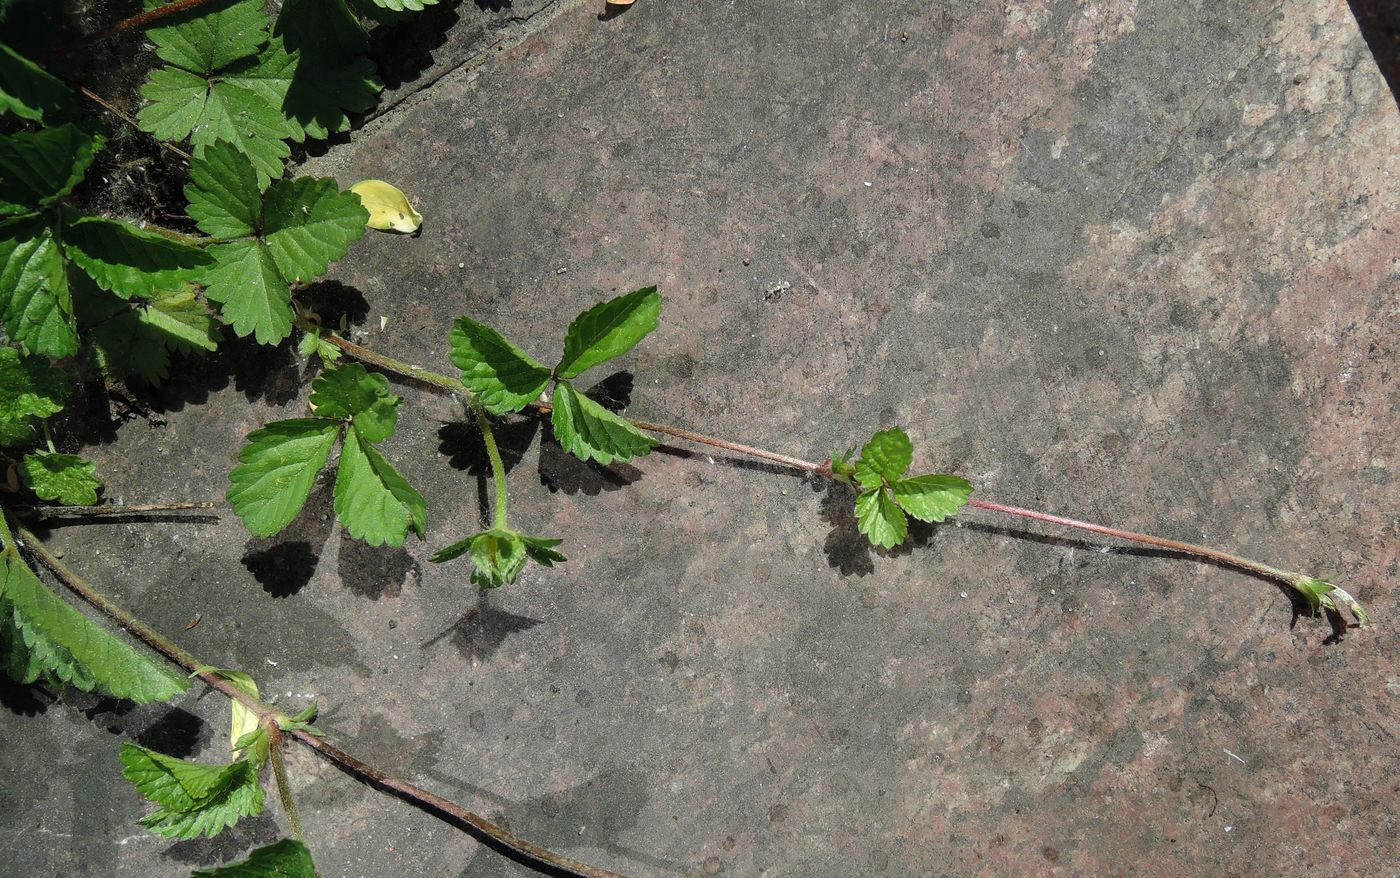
(388, 208)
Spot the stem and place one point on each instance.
(398, 367)
(48, 436)
(494, 835)
(498, 467)
(143, 19)
(81, 512)
(111, 108)
(279, 774)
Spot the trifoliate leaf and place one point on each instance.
(38, 168)
(66, 478)
(503, 377)
(212, 36)
(243, 721)
(194, 799)
(29, 388)
(541, 550)
(283, 859)
(372, 500)
(224, 198)
(609, 329)
(880, 519)
(277, 470)
(590, 432)
(36, 303)
(389, 210)
(76, 650)
(253, 297)
(887, 454)
(129, 261)
(185, 105)
(499, 556)
(353, 392)
(309, 223)
(332, 76)
(932, 498)
(30, 92)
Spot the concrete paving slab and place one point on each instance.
(1132, 261)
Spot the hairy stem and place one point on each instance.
(143, 19)
(498, 467)
(279, 775)
(483, 829)
(88, 512)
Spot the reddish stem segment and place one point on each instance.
(142, 19)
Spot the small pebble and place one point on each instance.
(748, 261)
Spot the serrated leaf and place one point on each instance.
(541, 550)
(887, 454)
(38, 168)
(372, 500)
(353, 392)
(133, 339)
(932, 498)
(129, 261)
(880, 519)
(389, 210)
(503, 377)
(176, 100)
(29, 388)
(27, 665)
(283, 859)
(36, 303)
(183, 105)
(213, 36)
(310, 223)
(179, 320)
(590, 432)
(30, 92)
(224, 198)
(277, 470)
(67, 478)
(194, 799)
(609, 329)
(269, 75)
(77, 650)
(253, 297)
(332, 76)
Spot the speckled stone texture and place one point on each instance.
(1130, 261)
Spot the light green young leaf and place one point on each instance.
(194, 799)
(372, 500)
(126, 260)
(67, 478)
(77, 650)
(301, 722)
(283, 859)
(880, 519)
(36, 303)
(932, 498)
(609, 329)
(213, 36)
(29, 387)
(310, 223)
(224, 198)
(313, 344)
(38, 168)
(353, 392)
(887, 454)
(254, 298)
(30, 92)
(590, 432)
(499, 555)
(179, 320)
(277, 470)
(503, 377)
(243, 721)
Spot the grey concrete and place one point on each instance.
(1132, 261)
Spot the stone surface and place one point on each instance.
(1130, 261)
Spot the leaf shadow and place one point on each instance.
(173, 731)
(561, 471)
(481, 632)
(21, 699)
(402, 50)
(338, 305)
(375, 571)
(236, 841)
(284, 564)
(847, 549)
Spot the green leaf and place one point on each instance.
(179, 320)
(269, 75)
(224, 198)
(404, 5)
(887, 454)
(29, 388)
(332, 76)
(129, 261)
(283, 859)
(503, 377)
(541, 550)
(609, 329)
(254, 298)
(309, 224)
(880, 519)
(212, 36)
(133, 339)
(194, 799)
(76, 650)
(38, 168)
(313, 344)
(25, 665)
(176, 103)
(30, 92)
(66, 478)
(499, 556)
(36, 303)
(301, 722)
(590, 432)
(277, 470)
(185, 105)
(352, 392)
(932, 498)
(372, 500)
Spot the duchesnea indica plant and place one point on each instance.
(84, 293)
